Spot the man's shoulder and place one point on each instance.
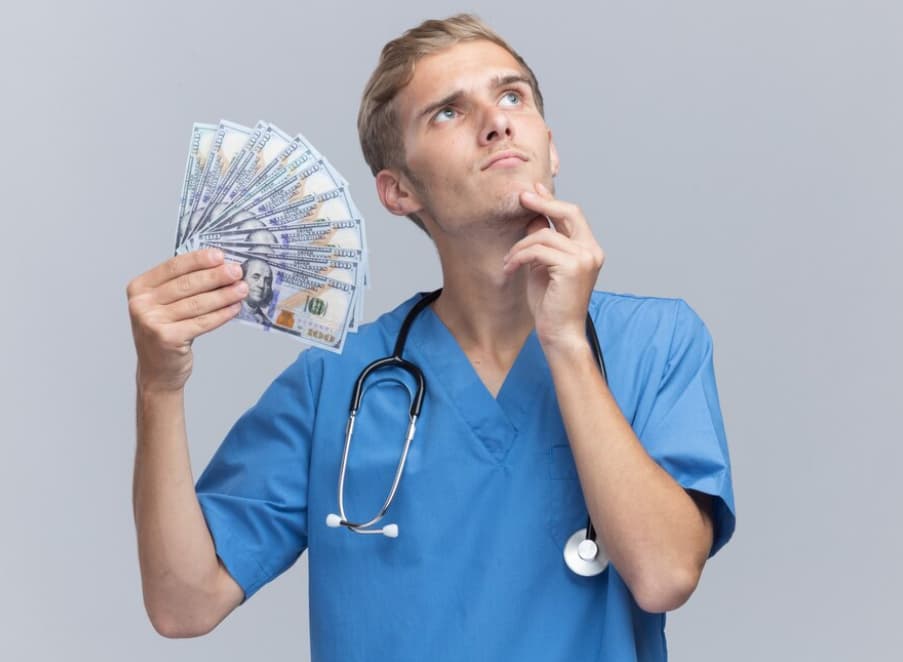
(626, 306)
(646, 321)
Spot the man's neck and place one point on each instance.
(484, 309)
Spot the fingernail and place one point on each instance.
(216, 254)
(530, 195)
(542, 188)
(233, 270)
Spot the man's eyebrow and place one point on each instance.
(445, 101)
(497, 82)
(508, 79)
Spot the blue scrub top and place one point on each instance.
(489, 495)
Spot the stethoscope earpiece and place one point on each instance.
(333, 521)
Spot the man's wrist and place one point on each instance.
(566, 348)
(154, 388)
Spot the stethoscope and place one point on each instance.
(582, 552)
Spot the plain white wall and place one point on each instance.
(743, 156)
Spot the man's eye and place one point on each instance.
(510, 98)
(445, 114)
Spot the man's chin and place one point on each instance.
(510, 211)
(499, 210)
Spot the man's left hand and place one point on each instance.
(563, 265)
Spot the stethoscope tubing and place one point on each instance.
(396, 360)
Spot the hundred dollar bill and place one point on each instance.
(273, 204)
(335, 203)
(341, 240)
(199, 149)
(309, 305)
(318, 314)
(342, 233)
(232, 178)
(295, 259)
(313, 179)
(259, 157)
(282, 150)
(234, 139)
(189, 220)
(330, 204)
(266, 154)
(229, 139)
(299, 252)
(311, 227)
(347, 232)
(240, 208)
(298, 165)
(278, 157)
(308, 260)
(302, 178)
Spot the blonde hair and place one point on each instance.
(377, 122)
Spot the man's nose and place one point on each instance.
(496, 126)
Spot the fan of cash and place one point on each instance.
(273, 204)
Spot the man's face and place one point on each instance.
(463, 108)
(259, 278)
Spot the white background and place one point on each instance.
(743, 156)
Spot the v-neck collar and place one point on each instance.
(494, 421)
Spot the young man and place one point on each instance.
(519, 436)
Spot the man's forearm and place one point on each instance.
(179, 566)
(652, 530)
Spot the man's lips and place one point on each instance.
(506, 159)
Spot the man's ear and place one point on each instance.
(553, 156)
(396, 193)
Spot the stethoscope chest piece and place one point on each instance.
(584, 556)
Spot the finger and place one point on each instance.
(547, 237)
(546, 194)
(175, 267)
(543, 191)
(566, 216)
(206, 302)
(188, 329)
(538, 254)
(195, 282)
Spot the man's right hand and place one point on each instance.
(187, 589)
(174, 303)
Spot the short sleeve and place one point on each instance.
(684, 432)
(253, 493)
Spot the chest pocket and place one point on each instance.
(377, 444)
(566, 511)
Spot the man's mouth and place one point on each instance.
(505, 159)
